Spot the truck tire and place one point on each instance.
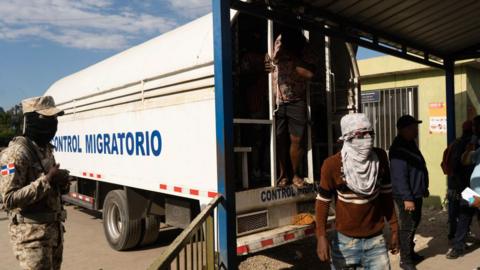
(150, 230)
(121, 232)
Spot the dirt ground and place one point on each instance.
(431, 241)
(86, 248)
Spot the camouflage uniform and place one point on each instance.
(28, 195)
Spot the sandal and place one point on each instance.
(282, 182)
(298, 182)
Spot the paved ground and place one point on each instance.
(86, 248)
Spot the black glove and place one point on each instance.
(61, 178)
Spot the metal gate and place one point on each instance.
(194, 248)
(384, 106)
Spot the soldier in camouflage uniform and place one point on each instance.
(31, 185)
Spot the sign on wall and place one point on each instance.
(437, 112)
(371, 97)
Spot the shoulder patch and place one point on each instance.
(7, 169)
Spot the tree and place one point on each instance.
(10, 124)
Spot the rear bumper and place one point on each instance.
(80, 200)
(275, 237)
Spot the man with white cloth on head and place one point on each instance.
(358, 179)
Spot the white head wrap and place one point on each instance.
(360, 163)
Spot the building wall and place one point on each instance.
(473, 91)
(396, 73)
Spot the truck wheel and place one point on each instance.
(121, 232)
(150, 230)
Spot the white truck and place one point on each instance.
(139, 136)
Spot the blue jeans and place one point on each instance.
(465, 216)
(350, 253)
(453, 198)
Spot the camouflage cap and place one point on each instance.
(44, 105)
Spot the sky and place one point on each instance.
(42, 41)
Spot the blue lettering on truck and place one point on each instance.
(139, 143)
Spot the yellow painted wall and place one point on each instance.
(473, 88)
(390, 72)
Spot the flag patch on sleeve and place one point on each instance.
(7, 169)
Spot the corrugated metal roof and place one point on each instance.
(444, 27)
(430, 30)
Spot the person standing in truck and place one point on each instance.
(31, 184)
(292, 65)
(358, 179)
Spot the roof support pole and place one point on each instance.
(450, 93)
(226, 225)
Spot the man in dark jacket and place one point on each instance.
(409, 175)
(457, 182)
(462, 173)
